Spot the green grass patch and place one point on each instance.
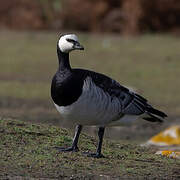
(27, 150)
(148, 63)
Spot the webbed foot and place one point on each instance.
(94, 155)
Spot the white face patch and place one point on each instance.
(66, 46)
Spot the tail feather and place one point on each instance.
(152, 118)
(154, 115)
(140, 98)
(141, 106)
(156, 112)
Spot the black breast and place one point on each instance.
(66, 88)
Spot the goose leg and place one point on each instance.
(74, 147)
(98, 151)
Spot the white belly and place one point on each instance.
(94, 107)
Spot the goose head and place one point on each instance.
(68, 43)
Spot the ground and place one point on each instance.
(27, 150)
(149, 64)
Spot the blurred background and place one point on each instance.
(135, 42)
(120, 16)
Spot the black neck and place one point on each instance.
(63, 60)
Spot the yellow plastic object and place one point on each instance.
(168, 137)
(169, 153)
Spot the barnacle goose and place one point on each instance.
(85, 97)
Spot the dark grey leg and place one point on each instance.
(76, 136)
(98, 151)
(100, 135)
(74, 146)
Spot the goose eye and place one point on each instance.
(71, 40)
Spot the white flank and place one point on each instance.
(94, 107)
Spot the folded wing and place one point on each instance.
(131, 102)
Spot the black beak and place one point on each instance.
(78, 46)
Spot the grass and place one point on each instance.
(150, 64)
(27, 151)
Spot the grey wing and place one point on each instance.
(131, 102)
(134, 104)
